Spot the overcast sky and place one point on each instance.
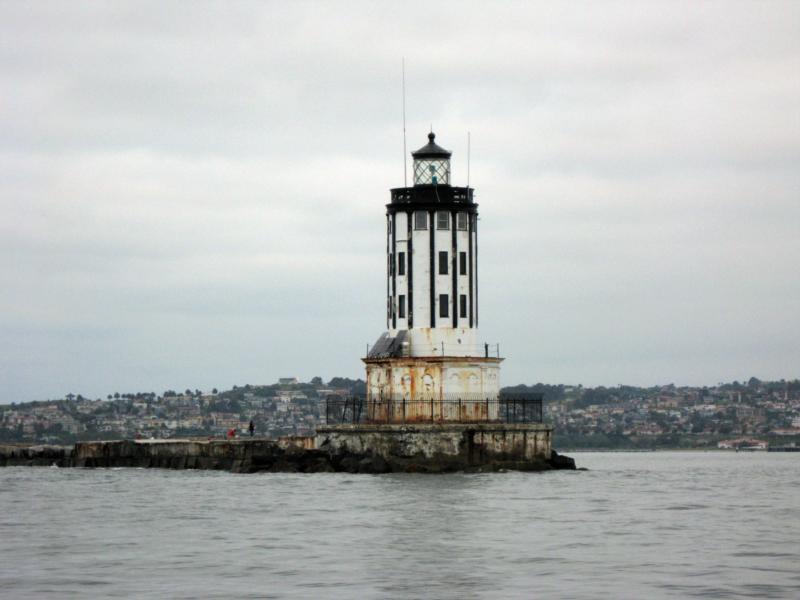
(193, 194)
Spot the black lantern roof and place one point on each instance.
(431, 149)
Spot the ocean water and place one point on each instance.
(635, 525)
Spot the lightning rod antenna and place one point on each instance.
(468, 156)
(405, 158)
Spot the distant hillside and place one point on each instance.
(603, 417)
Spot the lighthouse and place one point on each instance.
(431, 349)
(433, 400)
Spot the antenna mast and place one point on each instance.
(405, 158)
(468, 153)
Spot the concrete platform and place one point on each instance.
(444, 446)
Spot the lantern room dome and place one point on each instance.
(431, 149)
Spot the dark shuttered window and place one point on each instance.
(462, 305)
(462, 263)
(401, 306)
(443, 263)
(444, 306)
(401, 263)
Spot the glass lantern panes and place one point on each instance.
(432, 171)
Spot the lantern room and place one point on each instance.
(431, 164)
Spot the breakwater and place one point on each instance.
(298, 455)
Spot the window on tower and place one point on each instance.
(401, 307)
(420, 220)
(443, 262)
(444, 306)
(462, 305)
(462, 263)
(462, 221)
(432, 171)
(401, 263)
(442, 220)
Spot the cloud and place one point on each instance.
(195, 196)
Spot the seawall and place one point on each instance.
(436, 447)
(408, 449)
(35, 455)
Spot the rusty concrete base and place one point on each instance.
(443, 447)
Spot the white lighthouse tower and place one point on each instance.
(433, 389)
(431, 349)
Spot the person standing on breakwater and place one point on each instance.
(252, 428)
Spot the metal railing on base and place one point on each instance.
(455, 409)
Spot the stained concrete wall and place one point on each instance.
(447, 445)
(433, 377)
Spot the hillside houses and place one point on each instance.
(622, 416)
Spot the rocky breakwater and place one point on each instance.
(238, 456)
(293, 455)
(34, 456)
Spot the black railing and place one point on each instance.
(432, 194)
(455, 408)
(387, 347)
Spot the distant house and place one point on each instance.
(743, 444)
(786, 431)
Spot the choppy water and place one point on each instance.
(654, 525)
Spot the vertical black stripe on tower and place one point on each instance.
(410, 270)
(469, 267)
(388, 275)
(454, 253)
(476, 269)
(431, 216)
(394, 270)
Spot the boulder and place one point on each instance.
(559, 461)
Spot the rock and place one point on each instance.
(374, 464)
(559, 461)
(349, 464)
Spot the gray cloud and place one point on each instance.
(193, 196)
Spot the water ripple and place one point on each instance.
(654, 525)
